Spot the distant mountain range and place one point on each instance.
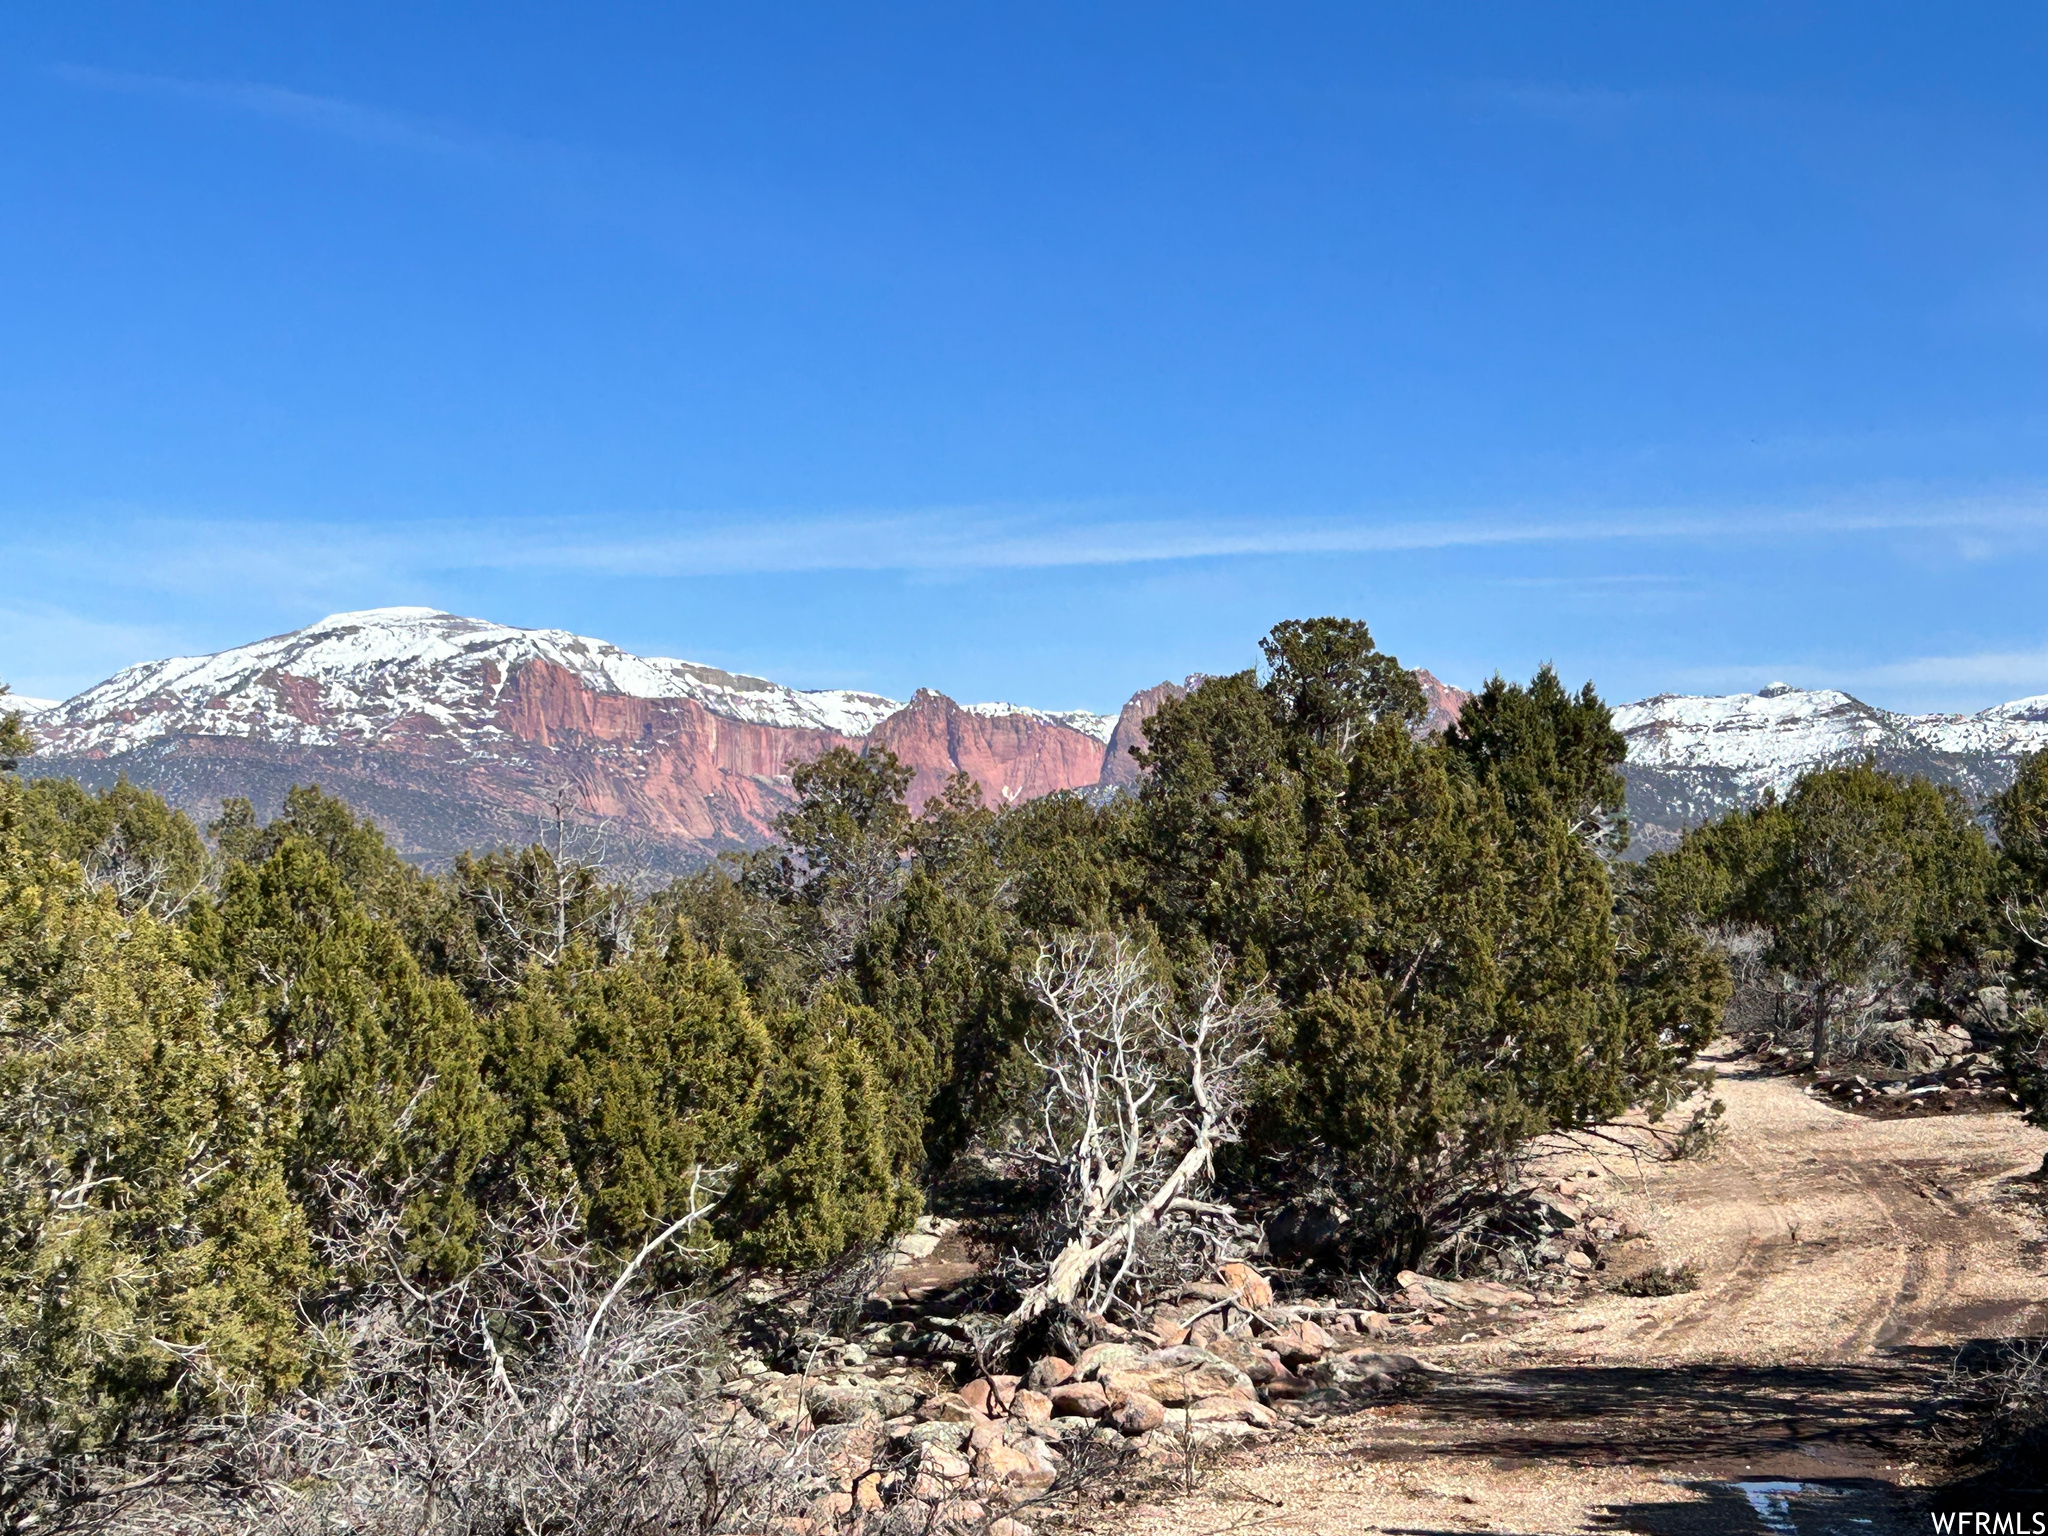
(453, 732)
(1690, 758)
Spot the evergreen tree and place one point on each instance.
(388, 1061)
(16, 743)
(621, 1082)
(150, 1252)
(124, 839)
(841, 1139)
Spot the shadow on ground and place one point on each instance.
(1727, 1417)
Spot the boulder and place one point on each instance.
(947, 1466)
(842, 1405)
(1136, 1413)
(1299, 1343)
(1366, 1371)
(1048, 1373)
(938, 1434)
(1229, 1409)
(1098, 1357)
(1177, 1375)
(1014, 1465)
(1029, 1407)
(954, 1407)
(1248, 1285)
(1258, 1363)
(1088, 1399)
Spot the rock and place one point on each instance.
(1306, 1228)
(1086, 1399)
(1364, 1370)
(1248, 1285)
(940, 1434)
(1177, 1375)
(1098, 1357)
(1299, 1343)
(945, 1465)
(1014, 1466)
(1578, 1260)
(966, 1513)
(1048, 1373)
(842, 1405)
(1136, 1413)
(1008, 1527)
(954, 1407)
(1241, 1410)
(867, 1494)
(976, 1394)
(853, 1354)
(1257, 1362)
(1029, 1407)
(1068, 1426)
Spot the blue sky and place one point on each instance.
(1037, 352)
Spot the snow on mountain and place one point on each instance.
(1691, 758)
(353, 677)
(1767, 738)
(1087, 722)
(12, 701)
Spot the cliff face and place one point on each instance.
(1443, 700)
(455, 733)
(1118, 766)
(1012, 757)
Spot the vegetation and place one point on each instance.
(266, 1085)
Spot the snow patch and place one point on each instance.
(1086, 721)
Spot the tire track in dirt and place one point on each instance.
(1840, 1257)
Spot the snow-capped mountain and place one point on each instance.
(358, 677)
(1691, 758)
(451, 730)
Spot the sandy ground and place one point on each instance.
(1842, 1259)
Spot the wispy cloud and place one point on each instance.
(330, 115)
(197, 553)
(2023, 669)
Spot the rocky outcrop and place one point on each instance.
(1012, 757)
(1118, 766)
(1444, 702)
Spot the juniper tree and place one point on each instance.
(389, 1061)
(150, 1251)
(15, 741)
(1436, 920)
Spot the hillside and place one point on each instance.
(1691, 758)
(451, 731)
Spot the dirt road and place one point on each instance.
(1842, 1259)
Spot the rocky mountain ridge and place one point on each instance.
(1692, 757)
(454, 732)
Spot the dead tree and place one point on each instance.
(1139, 1094)
(534, 904)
